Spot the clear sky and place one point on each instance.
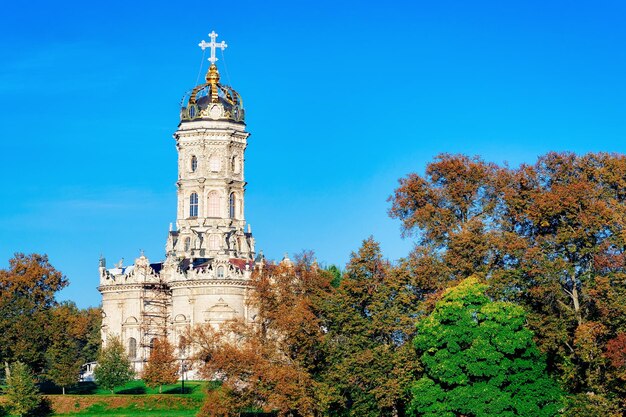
(342, 99)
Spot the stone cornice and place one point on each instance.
(212, 142)
(210, 283)
(120, 287)
(194, 283)
(212, 125)
(210, 181)
(221, 134)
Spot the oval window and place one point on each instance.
(193, 111)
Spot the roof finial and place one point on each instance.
(212, 45)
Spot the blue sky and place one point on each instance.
(342, 99)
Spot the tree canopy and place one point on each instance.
(548, 236)
(369, 322)
(74, 339)
(479, 360)
(27, 291)
(269, 364)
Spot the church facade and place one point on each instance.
(210, 254)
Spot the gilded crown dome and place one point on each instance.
(212, 101)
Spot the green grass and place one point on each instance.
(102, 409)
(138, 387)
(132, 399)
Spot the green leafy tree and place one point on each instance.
(114, 367)
(68, 332)
(92, 339)
(162, 366)
(336, 272)
(22, 395)
(64, 362)
(369, 323)
(480, 360)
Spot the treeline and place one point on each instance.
(51, 339)
(511, 303)
(538, 329)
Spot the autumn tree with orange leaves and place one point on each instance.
(162, 367)
(268, 364)
(27, 291)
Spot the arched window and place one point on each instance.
(220, 272)
(214, 242)
(214, 204)
(187, 244)
(132, 348)
(193, 205)
(231, 206)
(153, 342)
(214, 163)
(194, 163)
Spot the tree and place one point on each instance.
(162, 366)
(91, 334)
(569, 267)
(451, 211)
(369, 323)
(27, 291)
(63, 362)
(269, 365)
(550, 236)
(81, 325)
(21, 392)
(114, 367)
(336, 272)
(68, 332)
(480, 360)
(590, 404)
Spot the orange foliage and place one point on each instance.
(264, 365)
(550, 236)
(616, 351)
(162, 366)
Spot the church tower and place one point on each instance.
(210, 254)
(211, 140)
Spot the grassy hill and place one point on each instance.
(133, 399)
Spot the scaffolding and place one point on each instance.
(155, 305)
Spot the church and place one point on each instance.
(210, 254)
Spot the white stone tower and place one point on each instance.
(210, 255)
(211, 140)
